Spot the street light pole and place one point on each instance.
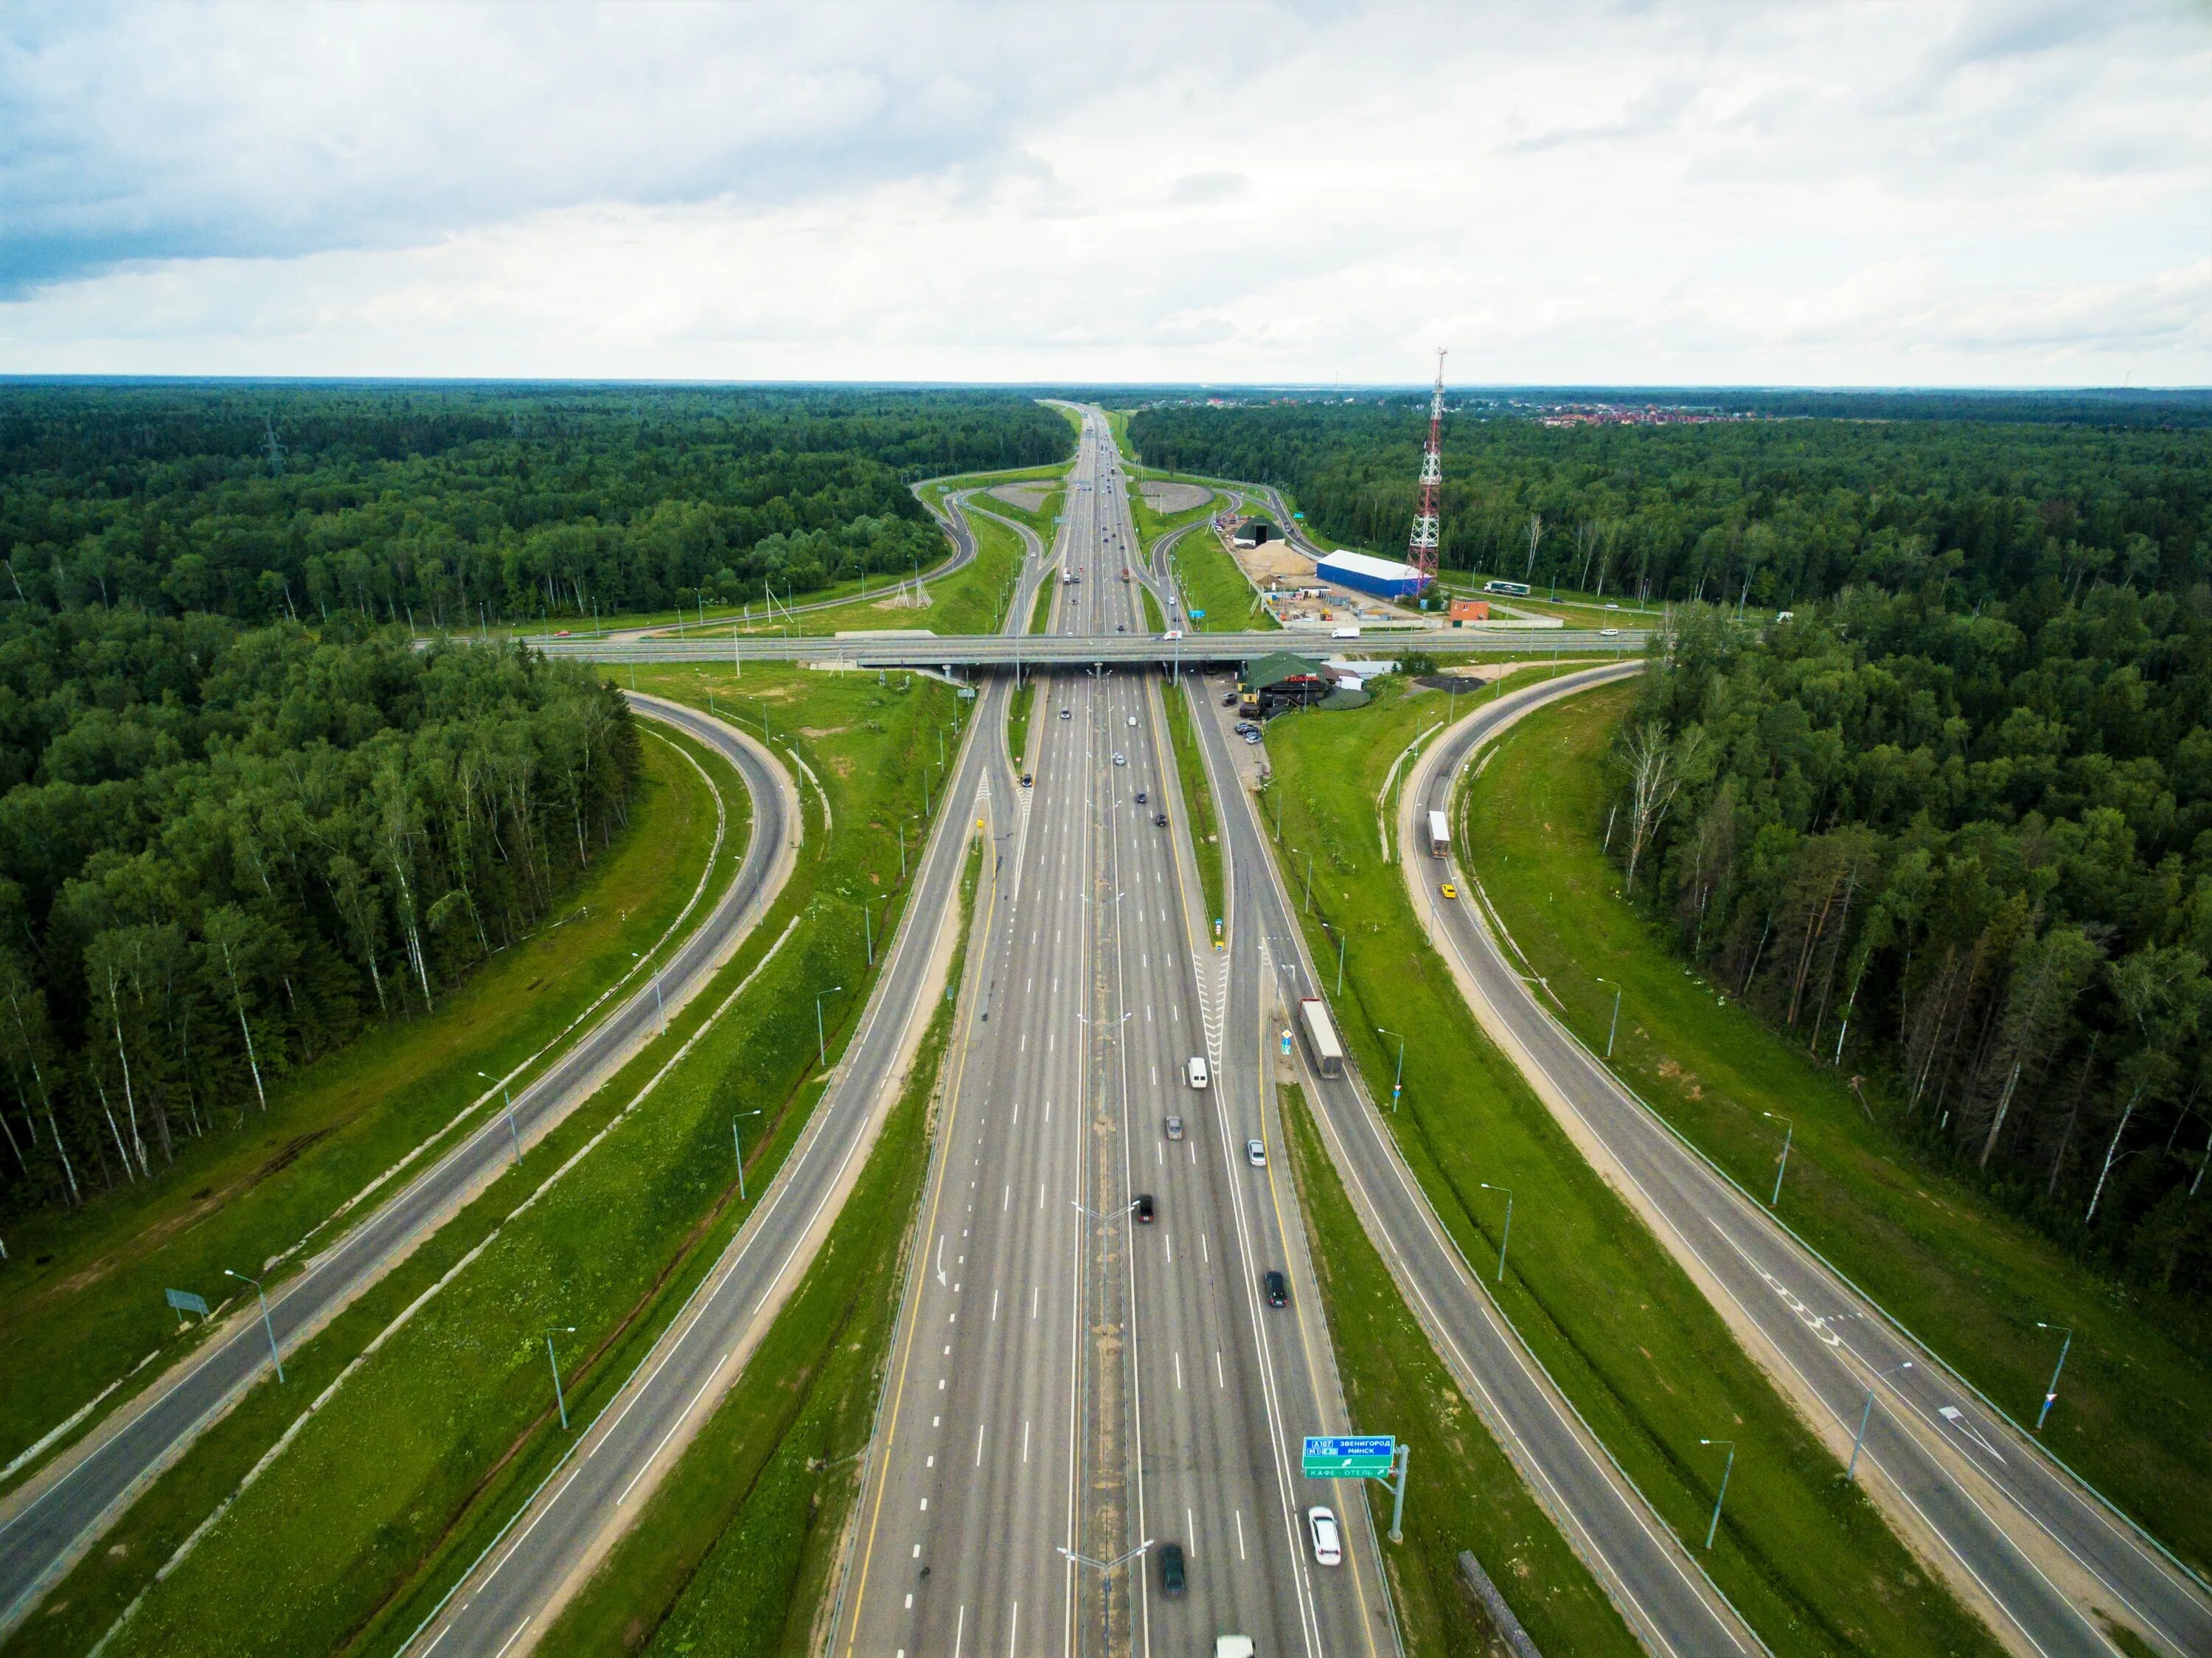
(1713, 1529)
(821, 1042)
(868, 929)
(1788, 1129)
(513, 1134)
(267, 1328)
(559, 1400)
(1398, 1082)
(1504, 1238)
(1616, 1026)
(738, 1146)
(2051, 1393)
(1858, 1439)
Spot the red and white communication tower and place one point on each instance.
(1421, 550)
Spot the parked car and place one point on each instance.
(1328, 1543)
(1229, 699)
(1278, 1288)
(1175, 1128)
(1171, 1582)
(1256, 1152)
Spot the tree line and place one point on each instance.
(454, 507)
(1966, 847)
(223, 849)
(1764, 514)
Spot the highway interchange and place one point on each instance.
(1071, 1388)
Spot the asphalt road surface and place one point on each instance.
(2041, 1554)
(1068, 1384)
(52, 1521)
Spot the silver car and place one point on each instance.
(1175, 1128)
(1256, 1152)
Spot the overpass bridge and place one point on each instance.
(1048, 651)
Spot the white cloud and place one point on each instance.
(1837, 194)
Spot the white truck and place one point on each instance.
(1439, 836)
(1344, 633)
(1320, 1037)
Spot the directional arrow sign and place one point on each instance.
(1349, 1456)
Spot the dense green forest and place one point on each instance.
(450, 506)
(222, 849)
(1764, 512)
(1969, 848)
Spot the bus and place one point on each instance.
(1321, 1038)
(1439, 836)
(1510, 589)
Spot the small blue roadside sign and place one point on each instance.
(1349, 1456)
(184, 1301)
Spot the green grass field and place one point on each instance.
(1197, 796)
(1153, 620)
(1623, 1331)
(1041, 607)
(84, 1296)
(1210, 582)
(734, 1554)
(1040, 520)
(1018, 708)
(384, 1495)
(1152, 525)
(1463, 1493)
(1931, 1249)
(972, 600)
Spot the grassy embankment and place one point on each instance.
(1039, 518)
(1625, 1333)
(1465, 1494)
(84, 1287)
(1207, 574)
(1153, 620)
(90, 1596)
(734, 1554)
(1931, 1249)
(1197, 796)
(352, 1533)
(1151, 524)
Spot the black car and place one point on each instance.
(1160, 820)
(1145, 1207)
(1140, 797)
(1025, 779)
(1229, 700)
(1172, 1570)
(1279, 1290)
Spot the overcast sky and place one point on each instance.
(1847, 194)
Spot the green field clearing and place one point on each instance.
(1152, 525)
(1117, 421)
(355, 1529)
(85, 1301)
(1040, 520)
(1197, 796)
(736, 1550)
(972, 600)
(1930, 1249)
(1464, 1495)
(1623, 1330)
(1209, 581)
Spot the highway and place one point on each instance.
(50, 1522)
(1659, 1588)
(1068, 1384)
(2041, 1557)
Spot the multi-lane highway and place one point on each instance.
(2040, 1556)
(48, 1523)
(1070, 1383)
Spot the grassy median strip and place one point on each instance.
(1649, 1364)
(1464, 1494)
(1018, 707)
(383, 1492)
(1930, 1248)
(87, 1306)
(971, 600)
(1197, 796)
(735, 1552)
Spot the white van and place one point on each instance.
(1233, 1646)
(1197, 1072)
(1344, 633)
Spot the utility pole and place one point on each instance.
(1504, 1238)
(1712, 1530)
(738, 1145)
(559, 1400)
(2051, 1393)
(267, 1328)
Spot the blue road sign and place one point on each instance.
(1349, 1456)
(184, 1301)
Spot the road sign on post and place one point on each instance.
(184, 1301)
(1349, 1456)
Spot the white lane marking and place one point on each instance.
(1163, 1152)
(1008, 1198)
(979, 1444)
(1202, 1249)
(1220, 1376)
(925, 1505)
(1013, 1630)
(1034, 1292)
(959, 1629)
(1189, 1535)
(1025, 1439)
(1240, 1533)
(512, 1638)
(995, 1307)
(1957, 1419)
(1178, 1358)
(1039, 1194)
